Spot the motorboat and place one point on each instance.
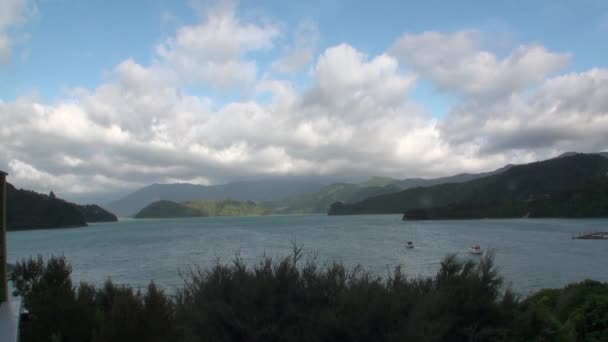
(475, 249)
(409, 244)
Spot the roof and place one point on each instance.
(2, 173)
(9, 320)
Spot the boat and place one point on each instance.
(475, 249)
(591, 236)
(409, 244)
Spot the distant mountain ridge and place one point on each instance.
(503, 194)
(27, 209)
(258, 191)
(288, 195)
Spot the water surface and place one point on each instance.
(530, 253)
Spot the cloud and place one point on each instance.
(13, 13)
(343, 77)
(355, 114)
(212, 52)
(455, 62)
(567, 113)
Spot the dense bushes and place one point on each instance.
(298, 300)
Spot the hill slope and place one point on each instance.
(499, 193)
(320, 201)
(169, 209)
(31, 210)
(259, 191)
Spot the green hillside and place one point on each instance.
(512, 193)
(27, 209)
(319, 202)
(169, 209)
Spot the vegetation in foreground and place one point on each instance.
(294, 300)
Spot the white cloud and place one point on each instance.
(346, 79)
(456, 63)
(564, 113)
(213, 51)
(355, 116)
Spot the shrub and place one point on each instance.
(290, 299)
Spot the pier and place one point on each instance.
(591, 236)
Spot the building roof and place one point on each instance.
(9, 320)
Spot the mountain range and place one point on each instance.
(320, 201)
(281, 195)
(531, 189)
(257, 191)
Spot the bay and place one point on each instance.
(530, 253)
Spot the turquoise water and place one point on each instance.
(531, 254)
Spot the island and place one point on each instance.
(228, 207)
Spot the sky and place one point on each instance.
(99, 98)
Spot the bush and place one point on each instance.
(291, 299)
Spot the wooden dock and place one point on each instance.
(591, 236)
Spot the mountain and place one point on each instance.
(459, 178)
(320, 201)
(30, 210)
(500, 195)
(169, 209)
(258, 191)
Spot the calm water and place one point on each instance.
(531, 254)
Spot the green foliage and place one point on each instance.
(168, 209)
(578, 312)
(61, 312)
(292, 299)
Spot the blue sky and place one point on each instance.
(108, 96)
(73, 43)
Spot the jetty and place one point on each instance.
(591, 236)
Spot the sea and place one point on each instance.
(530, 254)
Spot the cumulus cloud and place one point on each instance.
(567, 112)
(355, 115)
(456, 63)
(213, 51)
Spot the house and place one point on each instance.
(10, 307)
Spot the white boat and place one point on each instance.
(475, 249)
(409, 244)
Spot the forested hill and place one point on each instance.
(507, 194)
(30, 210)
(170, 209)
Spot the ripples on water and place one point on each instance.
(530, 253)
